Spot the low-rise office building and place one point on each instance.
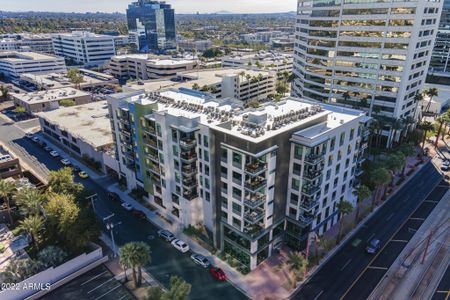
(144, 66)
(13, 63)
(254, 178)
(84, 131)
(27, 42)
(273, 61)
(51, 99)
(84, 48)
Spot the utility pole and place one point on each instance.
(92, 198)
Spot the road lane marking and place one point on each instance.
(431, 201)
(399, 241)
(390, 216)
(377, 268)
(443, 292)
(96, 276)
(417, 219)
(100, 285)
(370, 237)
(318, 295)
(346, 264)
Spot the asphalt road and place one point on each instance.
(443, 290)
(341, 271)
(166, 261)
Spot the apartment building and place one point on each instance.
(373, 55)
(84, 48)
(144, 66)
(255, 178)
(273, 61)
(13, 63)
(27, 42)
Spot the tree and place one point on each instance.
(4, 92)
(84, 230)
(379, 178)
(33, 225)
(7, 190)
(425, 127)
(344, 208)
(51, 256)
(297, 265)
(62, 213)
(67, 102)
(395, 163)
(75, 77)
(30, 201)
(443, 119)
(282, 87)
(20, 269)
(179, 289)
(154, 293)
(195, 87)
(361, 193)
(431, 92)
(61, 182)
(407, 150)
(135, 255)
(19, 110)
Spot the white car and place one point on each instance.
(54, 153)
(66, 162)
(35, 139)
(446, 163)
(200, 260)
(29, 135)
(180, 245)
(127, 206)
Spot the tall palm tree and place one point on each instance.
(395, 163)
(344, 208)
(431, 92)
(361, 193)
(297, 265)
(443, 119)
(33, 225)
(135, 255)
(425, 127)
(408, 150)
(379, 177)
(7, 190)
(30, 201)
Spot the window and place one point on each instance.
(237, 193)
(237, 160)
(237, 209)
(237, 178)
(205, 141)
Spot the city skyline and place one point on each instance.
(193, 6)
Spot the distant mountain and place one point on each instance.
(224, 12)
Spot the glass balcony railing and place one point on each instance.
(312, 175)
(255, 184)
(306, 219)
(310, 190)
(254, 200)
(189, 171)
(188, 143)
(253, 216)
(188, 157)
(309, 205)
(255, 168)
(314, 159)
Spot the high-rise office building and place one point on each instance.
(445, 15)
(151, 25)
(254, 178)
(369, 54)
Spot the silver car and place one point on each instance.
(166, 235)
(200, 260)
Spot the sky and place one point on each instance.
(181, 6)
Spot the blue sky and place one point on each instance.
(181, 6)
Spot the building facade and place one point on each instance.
(373, 55)
(13, 63)
(440, 57)
(254, 178)
(151, 25)
(27, 42)
(84, 48)
(272, 61)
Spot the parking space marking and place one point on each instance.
(417, 219)
(399, 241)
(377, 268)
(390, 216)
(100, 285)
(96, 276)
(431, 201)
(370, 237)
(346, 264)
(318, 295)
(101, 296)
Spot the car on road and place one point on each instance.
(373, 246)
(218, 274)
(29, 135)
(83, 175)
(180, 245)
(48, 149)
(76, 169)
(35, 139)
(166, 235)
(66, 162)
(127, 206)
(42, 144)
(113, 196)
(139, 214)
(54, 153)
(200, 260)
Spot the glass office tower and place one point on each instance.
(151, 25)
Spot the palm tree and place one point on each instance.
(379, 177)
(135, 255)
(33, 225)
(425, 127)
(431, 92)
(7, 190)
(361, 193)
(395, 162)
(395, 126)
(407, 150)
(344, 208)
(297, 265)
(30, 201)
(443, 119)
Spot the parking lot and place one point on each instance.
(97, 284)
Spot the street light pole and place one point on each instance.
(110, 227)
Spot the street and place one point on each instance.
(346, 269)
(166, 260)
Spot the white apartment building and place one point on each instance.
(145, 66)
(84, 48)
(272, 61)
(27, 42)
(371, 54)
(255, 178)
(13, 64)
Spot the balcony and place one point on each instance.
(190, 195)
(254, 229)
(188, 157)
(189, 183)
(153, 156)
(151, 130)
(359, 171)
(309, 205)
(254, 216)
(151, 142)
(255, 168)
(155, 169)
(189, 171)
(310, 190)
(255, 184)
(188, 143)
(314, 159)
(364, 146)
(306, 219)
(312, 175)
(254, 200)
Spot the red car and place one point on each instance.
(139, 214)
(218, 274)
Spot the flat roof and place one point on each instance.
(88, 122)
(60, 80)
(50, 95)
(155, 60)
(15, 56)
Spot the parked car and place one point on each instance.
(200, 260)
(42, 144)
(66, 162)
(35, 139)
(127, 206)
(373, 246)
(54, 153)
(48, 149)
(29, 135)
(113, 196)
(445, 168)
(180, 245)
(446, 163)
(166, 235)
(218, 274)
(76, 169)
(83, 175)
(139, 214)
